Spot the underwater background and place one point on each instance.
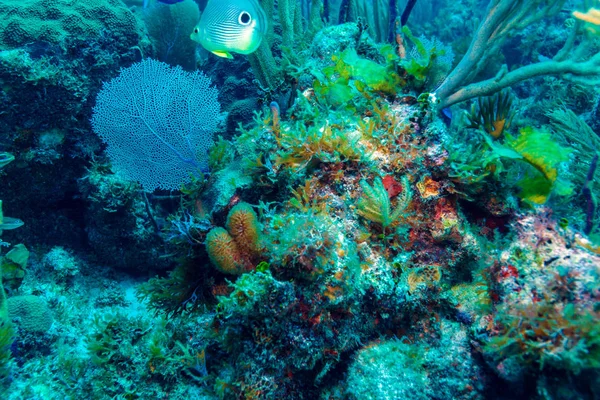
(299, 199)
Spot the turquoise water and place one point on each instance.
(299, 199)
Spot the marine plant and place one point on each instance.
(13, 266)
(428, 62)
(180, 292)
(7, 336)
(529, 332)
(220, 155)
(536, 148)
(306, 198)
(313, 144)
(247, 292)
(590, 198)
(533, 149)
(492, 114)
(375, 204)
(573, 132)
(351, 77)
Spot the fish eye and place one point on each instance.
(196, 30)
(244, 18)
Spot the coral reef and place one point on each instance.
(30, 21)
(119, 225)
(53, 59)
(388, 370)
(29, 313)
(367, 219)
(62, 263)
(545, 283)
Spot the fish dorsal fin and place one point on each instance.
(223, 54)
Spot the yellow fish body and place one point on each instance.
(231, 26)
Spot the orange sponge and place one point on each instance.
(224, 252)
(242, 224)
(235, 250)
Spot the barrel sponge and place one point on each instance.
(224, 252)
(30, 21)
(30, 313)
(242, 224)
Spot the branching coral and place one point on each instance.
(503, 18)
(267, 69)
(592, 17)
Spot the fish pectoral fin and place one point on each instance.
(223, 54)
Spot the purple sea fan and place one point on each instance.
(157, 122)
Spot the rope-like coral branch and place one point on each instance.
(502, 18)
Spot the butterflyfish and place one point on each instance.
(231, 26)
